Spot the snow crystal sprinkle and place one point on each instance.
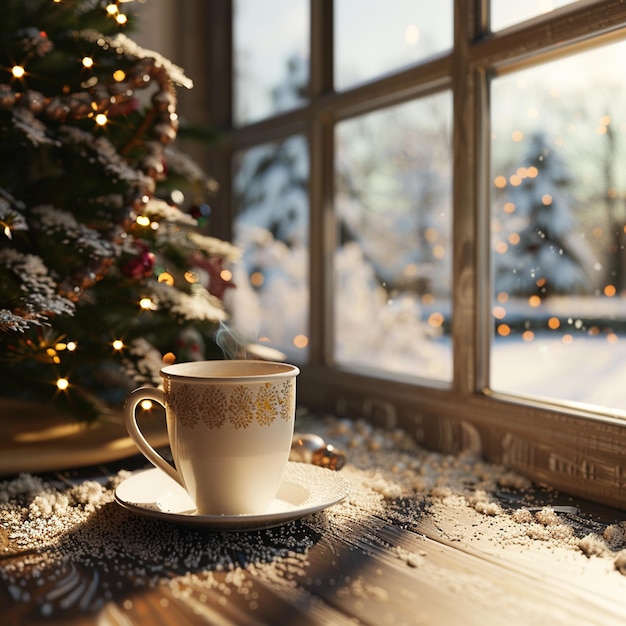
(66, 529)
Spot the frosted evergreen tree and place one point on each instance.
(549, 256)
(103, 269)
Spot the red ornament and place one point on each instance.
(214, 266)
(140, 266)
(123, 106)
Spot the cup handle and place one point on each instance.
(130, 418)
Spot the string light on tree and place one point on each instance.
(166, 277)
(146, 304)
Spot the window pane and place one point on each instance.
(270, 302)
(373, 38)
(506, 13)
(558, 228)
(393, 263)
(270, 57)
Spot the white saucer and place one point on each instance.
(305, 489)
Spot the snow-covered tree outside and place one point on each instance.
(393, 263)
(270, 304)
(540, 249)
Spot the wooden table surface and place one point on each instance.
(421, 539)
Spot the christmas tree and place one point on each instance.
(104, 271)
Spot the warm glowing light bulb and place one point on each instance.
(112, 9)
(146, 405)
(436, 319)
(166, 277)
(143, 220)
(146, 304)
(554, 323)
(412, 35)
(71, 346)
(504, 330)
(101, 119)
(257, 279)
(87, 62)
(121, 19)
(18, 71)
(63, 383)
(118, 344)
(300, 341)
(119, 75)
(226, 275)
(169, 358)
(499, 312)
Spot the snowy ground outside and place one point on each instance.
(589, 370)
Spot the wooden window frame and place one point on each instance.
(574, 450)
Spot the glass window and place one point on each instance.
(270, 303)
(271, 57)
(469, 256)
(393, 265)
(558, 223)
(373, 38)
(506, 13)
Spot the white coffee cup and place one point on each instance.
(230, 426)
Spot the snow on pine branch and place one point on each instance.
(127, 47)
(39, 297)
(158, 209)
(63, 225)
(106, 154)
(33, 129)
(199, 305)
(213, 246)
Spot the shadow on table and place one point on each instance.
(116, 555)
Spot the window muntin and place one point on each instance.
(373, 38)
(270, 302)
(558, 220)
(506, 13)
(393, 190)
(270, 57)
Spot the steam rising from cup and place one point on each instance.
(234, 347)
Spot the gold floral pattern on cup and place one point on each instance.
(214, 407)
(238, 405)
